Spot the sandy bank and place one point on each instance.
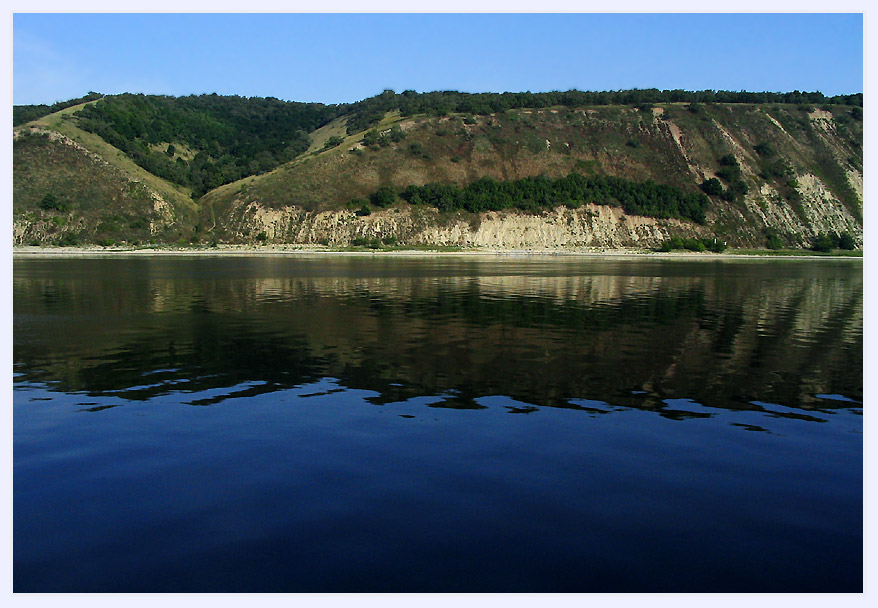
(293, 250)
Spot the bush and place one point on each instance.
(764, 149)
(383, 197)
(370, 138)
(693, 244)
(396, 134)
(69, 240)
(846, 242)
(825, 242)
(262, 237)
(712, 186)
(728, 160)
(373, 243)
(50, 202)
(333, 142)
(774, 242)
(729, 173)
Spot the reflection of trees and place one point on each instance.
(723, 338)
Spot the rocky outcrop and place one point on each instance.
(589, 226)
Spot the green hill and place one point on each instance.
(629, 169)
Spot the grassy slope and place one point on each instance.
(108, 198)
(62, 122)
(615, 140)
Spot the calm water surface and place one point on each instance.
(452, 424)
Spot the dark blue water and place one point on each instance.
(461, 424)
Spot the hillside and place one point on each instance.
(742, 173)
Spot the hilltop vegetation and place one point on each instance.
(204, 141)
(23, 114)
(368, 112)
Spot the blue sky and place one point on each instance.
(344, 58)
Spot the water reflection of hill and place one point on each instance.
(632, 334)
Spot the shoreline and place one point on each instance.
(296, 250)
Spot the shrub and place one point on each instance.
(846, 241)
(333, 142)
(693, 244)
(728, 160)
(383, 197)
(774, 242)
(764, 149)
(262, 237)
(396, 134)
(712, 186)
(825, 242)
(50, 202)
(729, 173)
(370, 138)
(69, 240)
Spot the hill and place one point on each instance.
(450, 168)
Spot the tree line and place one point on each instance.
(27, 113)
(540, 193)
(365, 113)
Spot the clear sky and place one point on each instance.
(342, 58)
